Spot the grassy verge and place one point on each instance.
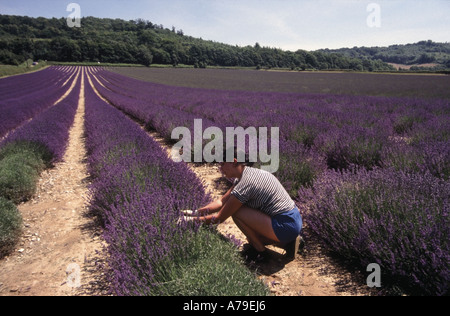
(20, 165)
(209, 266)
(10, 226)
(8, 70)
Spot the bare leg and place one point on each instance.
(256, 226)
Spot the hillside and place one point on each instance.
(425, 54)
(142, 42)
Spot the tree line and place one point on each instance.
(423, 52)
(142, 42)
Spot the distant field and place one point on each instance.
(300, 82)
(408, 67)
(8, 70)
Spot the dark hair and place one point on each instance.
(241, 156)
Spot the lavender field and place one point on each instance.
(22, 97)
(369, 171)
(347, 83)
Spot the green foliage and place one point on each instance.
(296, 173)
(11, 70)
(142, 42)
(423, 52)
(32, 150)
(404, 124)
(10, 226)
(304, 135)
(207, 266)
(20, 166)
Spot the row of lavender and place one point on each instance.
(24, 153)
(408, 134)
(45, 137)
(139, 192)
(299, 165)
(18, 86)
(50, 127)
(373, 172)
(23, 97)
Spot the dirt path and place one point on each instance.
(57, 254)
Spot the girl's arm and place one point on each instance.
(231, 206)
(216, 206)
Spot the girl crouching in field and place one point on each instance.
(261, 208)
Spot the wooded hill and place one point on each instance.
(424, 52)
(142, 42)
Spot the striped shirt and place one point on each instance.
(261, 190)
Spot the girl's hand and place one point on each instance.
(190, 213)
(186, 219)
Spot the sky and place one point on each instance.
(285, 24)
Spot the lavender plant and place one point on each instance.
(381, 216)
(10, 226)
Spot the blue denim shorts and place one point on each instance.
(287, 226)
